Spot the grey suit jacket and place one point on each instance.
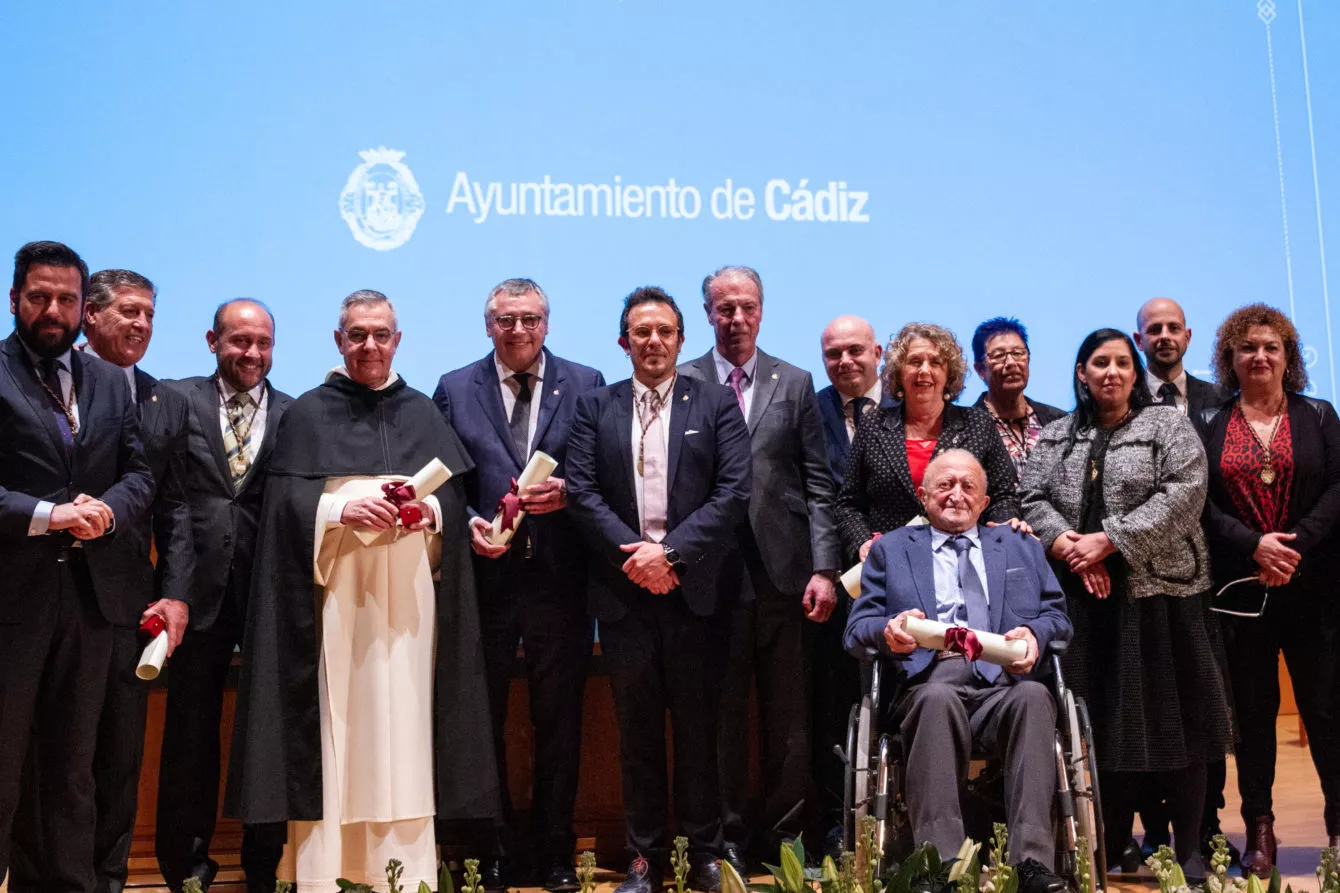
(790, 530)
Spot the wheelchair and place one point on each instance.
(874, 781)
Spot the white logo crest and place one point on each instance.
(381, 201)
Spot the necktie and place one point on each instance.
(858, 408)
(1168, 394)
(974, 600)
(237, 439)
(520, 421)
(51, 379)
(655, 496)
(736, 382)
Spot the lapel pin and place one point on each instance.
(555, 392)
(153, 399)
(685, 398)
(774, 376)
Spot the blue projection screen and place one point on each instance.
(1060, 162)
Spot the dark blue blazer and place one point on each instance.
(710, 472)
(899, 575)
(107, 462)
(835, 429)
(471, 400)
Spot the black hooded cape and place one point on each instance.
(343, 428)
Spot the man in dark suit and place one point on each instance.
(118, 324)
(791, 552)
(1163, 336)
(73, 480)
(851, 359)
(232, 418)
(518, 400)
(1000, 356)
(658, 481)
(993, 579)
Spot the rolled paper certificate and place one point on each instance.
(155, 653)
(510, 513)
(996, 649)
(851, 580)
(422, 485)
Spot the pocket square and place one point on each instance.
(690, 431)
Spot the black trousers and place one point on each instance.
(836, 686)
(549, 618)
(1304, 628)
(662, 657)
(767, 649)
(188, 780)
(52, 683)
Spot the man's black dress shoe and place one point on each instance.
(704, 875)
(1034, 877)
(558, 876)
(642, 877)
(731, 853)
(492, 875)
(1127, 861)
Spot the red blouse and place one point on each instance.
(1261, 506)
(918, 457)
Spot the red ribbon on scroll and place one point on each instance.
(153, 626)
(509, 507)
(400, 494)
(962, 640)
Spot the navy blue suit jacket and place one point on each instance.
(710, 471)
(471, 400)
(835, 429)
(899, 575)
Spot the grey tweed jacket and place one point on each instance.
(1154, 484)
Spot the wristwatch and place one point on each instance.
(672, 556)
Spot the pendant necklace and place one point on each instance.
(1267, 473)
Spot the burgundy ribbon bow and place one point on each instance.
(962, 640)
(401, 495)
(510, 507)
(153, 626)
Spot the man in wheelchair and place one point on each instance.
(994, 579)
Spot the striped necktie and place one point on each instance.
(237, 439)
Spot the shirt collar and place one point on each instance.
(63, 361)
(1155, 382)
(256, 393)
(724, 366)
(662, 389)
(536, 369)
(344, 370)
(873, 395)
(940, 537)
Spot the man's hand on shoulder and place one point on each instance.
(899, 640)
(1024, 664)
(370, 512)
(479, 539)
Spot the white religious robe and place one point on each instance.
(377, 629)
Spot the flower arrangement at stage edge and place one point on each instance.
(472, 883)
(586, 871)
(191, 885)
(679, 861)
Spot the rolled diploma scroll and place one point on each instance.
(155, 653)
(537, 471)
(851, 580)
(996, 649)
(425, 482)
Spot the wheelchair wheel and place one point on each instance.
(1082, 783)
(851, 786)
(1098, 838)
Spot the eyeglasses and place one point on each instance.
(644, 333)
(530, 321)
(1001, 357)
(360, 336)
(1264, 598)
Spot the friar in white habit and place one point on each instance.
(362, 711)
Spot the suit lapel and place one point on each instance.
(206, 405)
(84, 386)
(25, 376)
(680, 406)
(268, 441)
(834, 417)
(489, 397)
(993, 551)
(923, 573)
(622, 415)
(766, 379)
(951, 430)
(551, 394)
(892, 440)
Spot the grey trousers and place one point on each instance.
(944, 712)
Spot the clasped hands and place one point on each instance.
(538, 499)
(1278, 562)
(379, 513)
(900, 641)
(86, 518)
(1084, 553)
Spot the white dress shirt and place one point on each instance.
(665, 389)
(948, 594)
(510, 388)
(260, 401)
(875, 394)
(1179, 382)
(724, 367)
(41, 520)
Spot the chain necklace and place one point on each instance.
(240, 434)
(67, 408)
(1267, 473)
(657, 405)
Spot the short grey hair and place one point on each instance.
(947, 455)
(515, 288)
(104, 284)
(728, 272)
(366, 297)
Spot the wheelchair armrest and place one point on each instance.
(1057, 647)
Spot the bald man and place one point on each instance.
(851, 359)
(1162, 334)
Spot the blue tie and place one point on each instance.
(52, 380)
(974, 600)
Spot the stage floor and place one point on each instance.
(1298, 824)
